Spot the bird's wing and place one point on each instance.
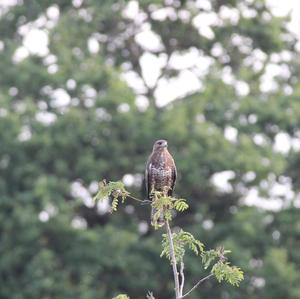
(174, 176)
(147, 176)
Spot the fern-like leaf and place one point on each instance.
(223, 271)
(180, 205)
(114, 190)
(121, 296)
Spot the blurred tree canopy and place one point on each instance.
(87, 103)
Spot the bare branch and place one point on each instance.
(196, 285)
(144, 201)
(182, 277)
(173, 260)
(163, 71)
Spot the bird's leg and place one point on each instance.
(165, 191)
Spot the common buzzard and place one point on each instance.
(160, 173)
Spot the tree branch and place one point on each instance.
(142, 201)
(182, 277)
(196, 285)
(173, 260)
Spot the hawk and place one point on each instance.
(160, 174)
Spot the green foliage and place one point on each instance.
(180, 205)
(163, 205)
(223, 271)
(281, 268)
(181, 240)
(208, 257)
(55, 242)
(121, 296)
(115, 190)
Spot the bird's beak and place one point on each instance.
(166, 144)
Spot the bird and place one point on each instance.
(160, 174)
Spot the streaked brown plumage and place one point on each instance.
(160, 172)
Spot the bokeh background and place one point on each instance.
(87, 86)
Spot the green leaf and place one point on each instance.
(121, 296)
(180, 205)
(208, 257)
(181, 241)
(231, 274)
(114, 204)
(115, 190)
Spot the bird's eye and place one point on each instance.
(159, 143)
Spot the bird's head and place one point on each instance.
(160, 144)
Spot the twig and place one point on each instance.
(182, 277)
(145, 201)
(173, 260)
(196, 285)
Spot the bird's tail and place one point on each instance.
(160, 221)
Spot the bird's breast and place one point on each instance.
(161, 178)
(161, 172)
